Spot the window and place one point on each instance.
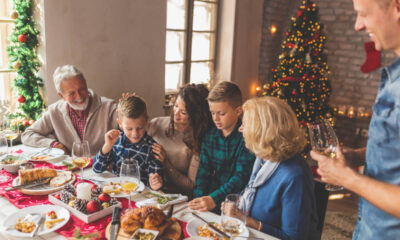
(6, 75)
(190, 44)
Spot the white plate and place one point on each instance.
(41, 209)
(195, 223)
(123, 194)
(41, 189)
(54, 154)
(142, 230)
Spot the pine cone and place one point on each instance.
(96, 192)
(113, 201)
(65, 196)
(69, 188)
(80, 205)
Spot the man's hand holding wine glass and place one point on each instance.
(333, 170)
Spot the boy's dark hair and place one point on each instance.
(132, 107)
(226, 92)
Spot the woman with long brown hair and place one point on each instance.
(179, 138)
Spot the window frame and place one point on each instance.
(188, 31)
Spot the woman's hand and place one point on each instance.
(205, 203)
(159, 152)
(155, 181)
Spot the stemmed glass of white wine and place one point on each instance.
(11, 132)
(324, 140)
(81, 155)
(130, 176)
(3, 154)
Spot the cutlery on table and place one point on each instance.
(211, 226)
(43, 151)
(41, 221)
(115, 222)
(44, 181)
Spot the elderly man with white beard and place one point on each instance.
(79, 115)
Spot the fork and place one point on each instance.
(43, 151)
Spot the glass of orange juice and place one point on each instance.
(130, 176)
(81, 155)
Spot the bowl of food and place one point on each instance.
(11, 163)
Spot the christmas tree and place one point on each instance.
(301, 75)
(23, 58)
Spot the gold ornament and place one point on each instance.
(71, 203)
(16, 65)
(281, 56)
(105, 205)
(14, 15)
(308, 58)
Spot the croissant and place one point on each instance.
(31, 175)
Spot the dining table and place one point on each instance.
(180, 210)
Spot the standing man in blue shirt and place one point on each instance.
(379, 187)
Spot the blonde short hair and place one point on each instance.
(271, 130)
(132, 107)
(226, 92)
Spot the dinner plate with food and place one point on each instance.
(114, 188)
(197, 228)
(24, 222)
(47, 155)
(42, 181)
(11, 163)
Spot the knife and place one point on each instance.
(115, 222)
(41, 221)
(44, 181)
(211, 226)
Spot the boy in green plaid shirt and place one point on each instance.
(225, 162)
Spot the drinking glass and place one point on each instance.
(3, 154)
(233, 214)
(81, 155)
(11, 132)
(324, 140)
(130, 176)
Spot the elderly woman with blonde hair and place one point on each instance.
(279, 197)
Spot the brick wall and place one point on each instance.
(344, 47)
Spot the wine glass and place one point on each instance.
(324, 140)
(233, 214)
(129, 176)
(11, 132)
(3, 154)
(81, 155)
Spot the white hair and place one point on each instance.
(65, 72)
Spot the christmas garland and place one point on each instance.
(22, 53)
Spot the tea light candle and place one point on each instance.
(83, 191)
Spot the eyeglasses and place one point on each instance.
(73, 94)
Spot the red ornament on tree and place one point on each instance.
(21, 99)
(22, 38)
(294, 92)
(299, 13)
(287, 33)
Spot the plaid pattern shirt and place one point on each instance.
(79, 122)
(225, 165)
(141, 151)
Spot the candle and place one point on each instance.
(350, 112)
(83, 191)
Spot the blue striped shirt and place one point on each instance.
(141, 151)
